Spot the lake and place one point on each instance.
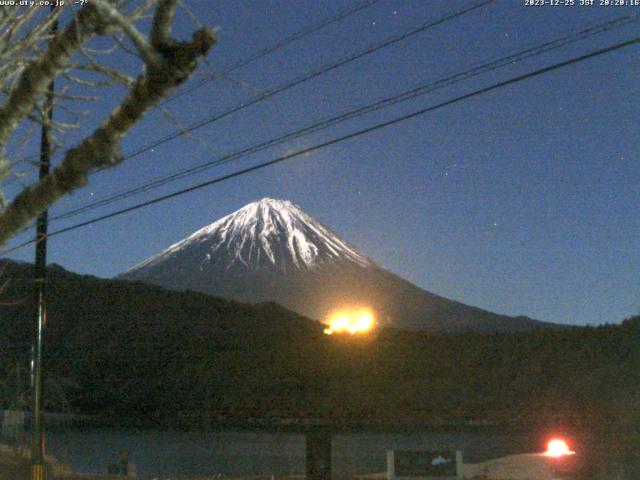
(167, 454)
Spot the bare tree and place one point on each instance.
(31, 56)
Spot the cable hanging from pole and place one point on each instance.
(389, 41)
(322, 23)
(344, 60)
(356, 134)
(451, 15)
(317, 125)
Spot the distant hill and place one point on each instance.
(146, 354)
(107, 335)
(271, 250)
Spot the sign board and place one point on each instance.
(421, 464)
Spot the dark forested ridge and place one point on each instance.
(185, 359)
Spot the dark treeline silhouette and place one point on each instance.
(185, 360)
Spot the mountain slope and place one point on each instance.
(271, 250)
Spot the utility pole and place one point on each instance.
(37, 443)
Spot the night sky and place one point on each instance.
(522, 201)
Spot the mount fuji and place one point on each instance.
(271, 250)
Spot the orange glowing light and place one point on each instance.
(352, 321)
(558, 448)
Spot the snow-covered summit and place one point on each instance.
(268, 233)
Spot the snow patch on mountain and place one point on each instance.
(268, 232)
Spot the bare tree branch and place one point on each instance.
(113, 15)
(173, 62)
(142, 9)
(35, 79)
(161, 28)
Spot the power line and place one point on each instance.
(276, 46)
(306, 77)
(314, 73)
(324, 22)
(311, 75)
(383, 103)
(342, 138)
